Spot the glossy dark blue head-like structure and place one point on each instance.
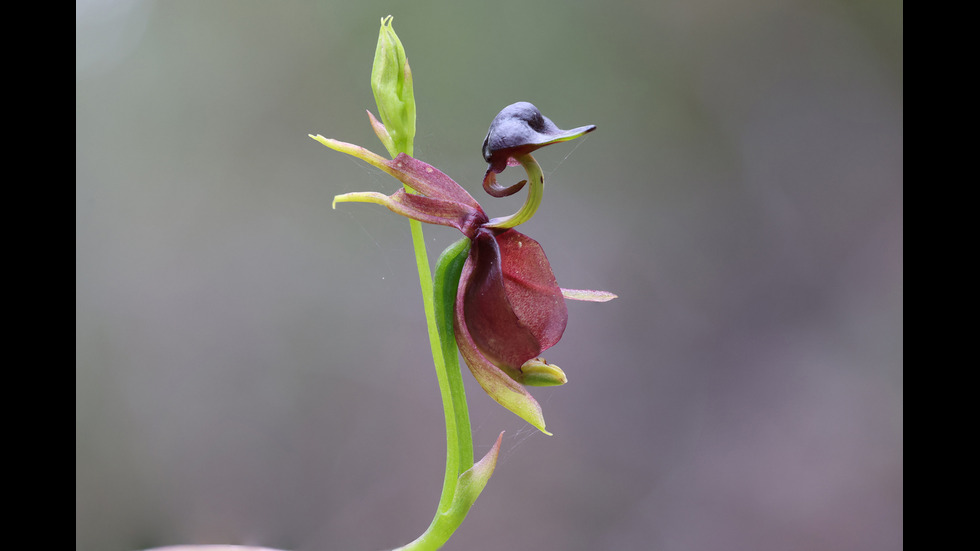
(517, 130)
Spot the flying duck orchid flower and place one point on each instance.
(509, 307)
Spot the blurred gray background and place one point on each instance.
(252, 366)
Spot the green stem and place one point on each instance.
(391, 83)
(438, 308)
(438, 300)
(459, 439)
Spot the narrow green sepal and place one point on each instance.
(361, 197)
(361, 153)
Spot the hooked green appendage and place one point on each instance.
(535, 193)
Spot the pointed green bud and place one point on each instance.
(391, 81)
(537, 372)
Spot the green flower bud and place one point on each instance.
(391, 81)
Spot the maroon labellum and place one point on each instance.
(508, 299)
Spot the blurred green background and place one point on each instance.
(252, 366)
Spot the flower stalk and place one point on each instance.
(494, 299)
(391, 82)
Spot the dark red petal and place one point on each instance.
(512, 305)
(429, 181)
(437, 211)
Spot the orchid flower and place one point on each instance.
(509, 307)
